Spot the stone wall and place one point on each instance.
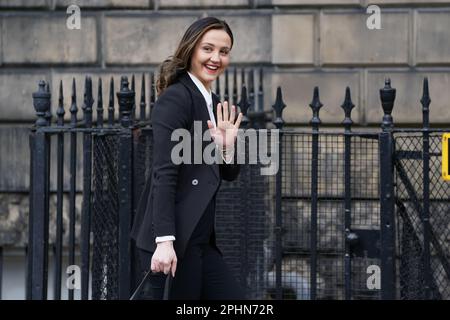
(14, 210)
(300, 44)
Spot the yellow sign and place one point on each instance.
(445, 157)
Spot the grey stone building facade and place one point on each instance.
(299, 44)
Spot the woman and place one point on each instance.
(174, 225)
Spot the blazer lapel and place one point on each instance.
(201, 109)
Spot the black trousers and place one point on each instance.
(201, 274)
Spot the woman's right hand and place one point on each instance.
(164, 259)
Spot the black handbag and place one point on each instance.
(139, 288)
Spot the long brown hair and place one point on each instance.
(173, 66)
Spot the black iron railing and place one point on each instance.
(344, 217)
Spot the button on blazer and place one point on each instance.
(175, 196)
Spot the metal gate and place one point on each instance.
(422, 212)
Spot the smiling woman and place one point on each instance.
(211, 56)
(175, 218)
(204, 38)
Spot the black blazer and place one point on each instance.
(175, 196)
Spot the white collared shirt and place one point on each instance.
(207, 95)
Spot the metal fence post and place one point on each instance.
(139, 177)
(72, 181)
(87, 183)
(315, 122)
(58, 248)
(38, 241)
(244, 105)
(278, 122)
(349, 235)
(126, 99)
(425, 216)
(152, 95)
(387, 196)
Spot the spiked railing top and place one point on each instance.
(260, 91)
(218, 88)
(48, 113)
(315, 105)
(41, 103)
(251, 80)
(347, 105)
(88, 102)
(111, 103)
(73, 107)
(127, 97)
(244, 105)
(100, 103)
(278, 107)
(226, 95)
(152, 93)
(60, 110)
(152, 88)
(142, 103)
(152, 83)
(425, 101)
(88, 98)
(251, 89)
(133, 88)
(235, 86)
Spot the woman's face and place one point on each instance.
(211, 56)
